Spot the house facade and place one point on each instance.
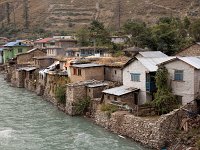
(83, 72)
(113, 73)
(14, 48)
(87, 51)
(44, 62)
(27, 58)
(184, 78)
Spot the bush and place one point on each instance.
(83, 105)
(109, 108)
(61, 94)
(164, 101)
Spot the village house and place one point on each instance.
(113, 72)
(193, 50)
(138, 80)
(184, 78)
(55, 51)
(78, 91)
(66, 43)
(15, 48)
(27, 57)
(43, 43)
(87, 51)
(44, 62)
(83, 72)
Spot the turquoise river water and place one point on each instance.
(27, 122)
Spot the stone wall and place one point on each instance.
(152, 131)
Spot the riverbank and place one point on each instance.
(29, 122)
(153, 132)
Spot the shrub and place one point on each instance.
(164, 101)
(83, 105)
(61, 94)
(109, 108)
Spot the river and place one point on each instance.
(27, 122)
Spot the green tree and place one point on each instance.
(164, 101)
(83, 37)
(195, 30)
(98, 33)
(137, 30)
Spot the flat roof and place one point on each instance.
(87, 65)
(27, 68)
(97, 85)
(119, 91)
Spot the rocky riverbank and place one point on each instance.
(154, 132)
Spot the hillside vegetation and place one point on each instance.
(72, 14)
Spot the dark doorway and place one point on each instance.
(136, 98)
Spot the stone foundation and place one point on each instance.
(154, 132)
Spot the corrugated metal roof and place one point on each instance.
(151, 63)
(16, 43)
(193, 61)
(118, 91)
(87, 65)
(153, 54)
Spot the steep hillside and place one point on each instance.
(71, 14)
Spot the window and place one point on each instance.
(75, 71)
(115, 71)
(108, 96)
(115, 98)
(135, 77)
(178, 75)
(79, 72)
(19, 50)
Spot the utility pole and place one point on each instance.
(26, 14)
(8, 12)
(14, 15)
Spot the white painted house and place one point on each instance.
(139, 73)
(184, 76)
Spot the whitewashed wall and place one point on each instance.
(189, 86)
(136, 67)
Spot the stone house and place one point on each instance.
(76, 92)
(184, 78)
(83, 72)
(193, 50)
(15, 48)
(126, 97)
(23, 77)
(113, 73)
(44, 62)
(27, 57)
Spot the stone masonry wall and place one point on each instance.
(153, 132)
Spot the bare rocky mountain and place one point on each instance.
(71, 14)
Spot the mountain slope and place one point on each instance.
(71, 14)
